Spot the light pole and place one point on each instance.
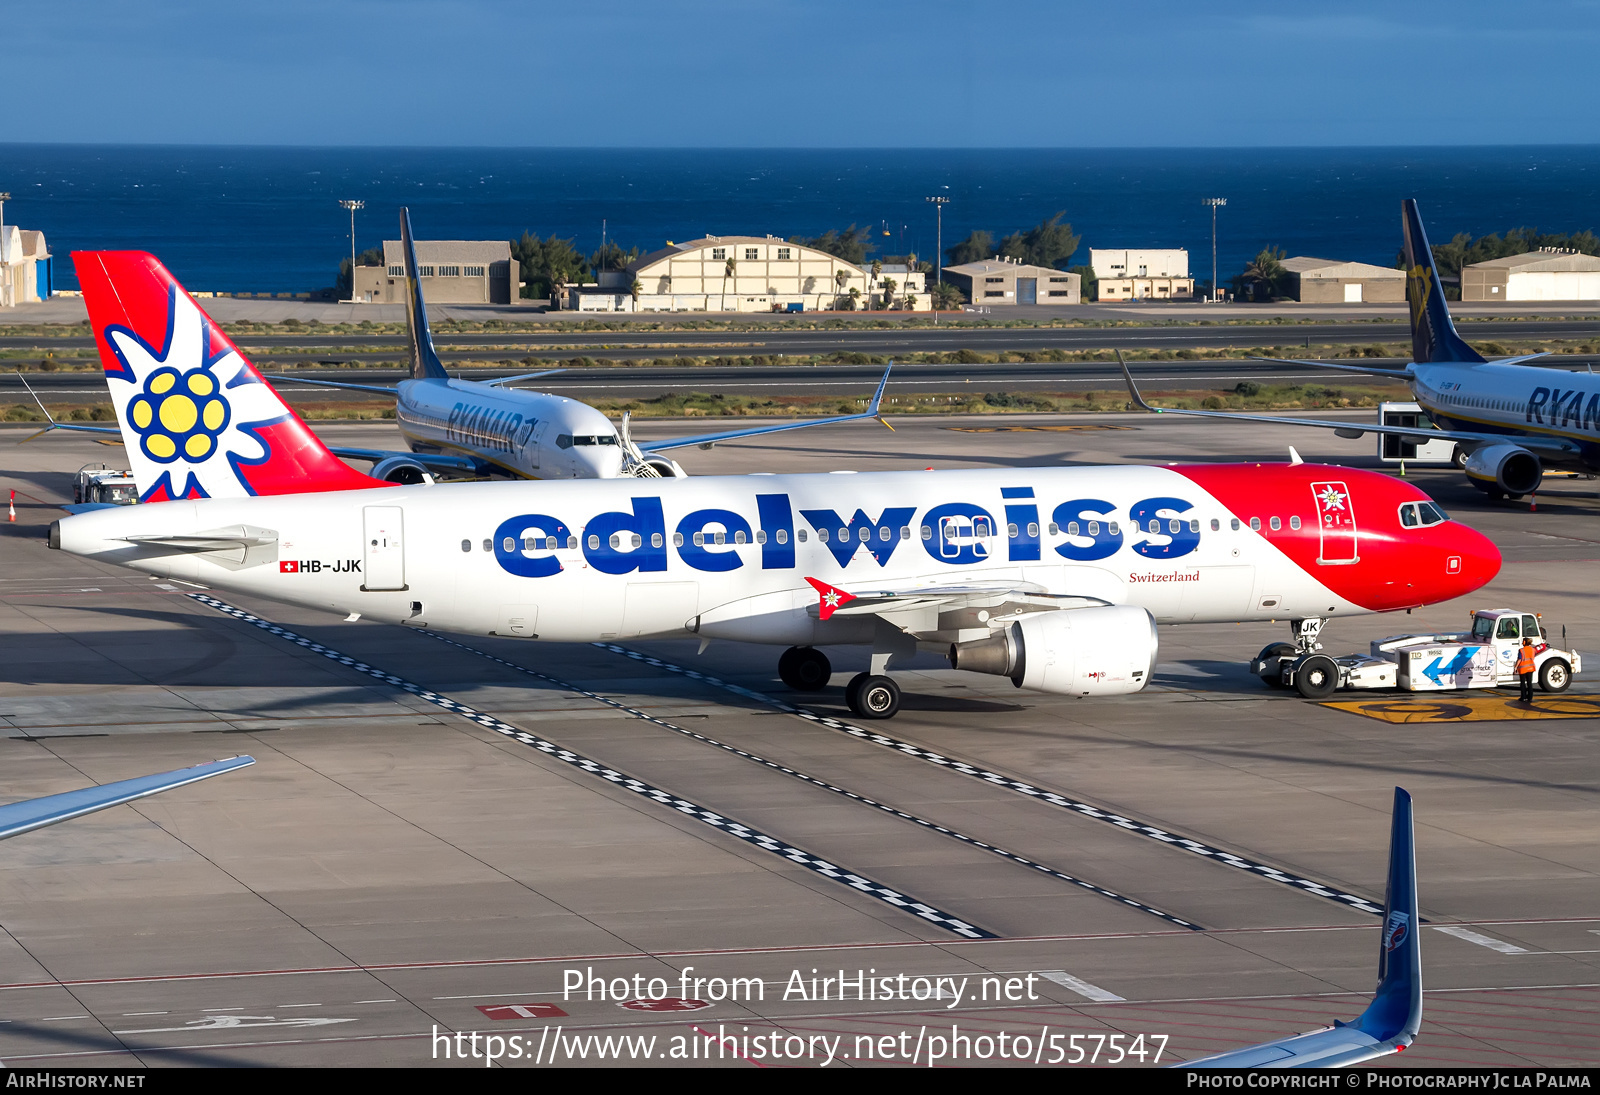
(938, 253)
(5, 262)
(352, 206)
(1213, 203)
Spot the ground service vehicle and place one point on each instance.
(1484, 657)
(98, 484)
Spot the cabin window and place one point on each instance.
(1194, 526)
(1216, 525)
(822, 534)
(761, 535)
(1094, 528)
(572, 543)
(466, 545)
(1111, 527)
(594, 542)
(1255, 524)
(905, 532)
(1276, 524)
(510, 545)
(719, 537)
(783, 536)
(927, 532)
(1174, 525)
(1294, 523)
(655, 539)
(738, 538)
(677, 539)
(1033, 528)
(1055, 529)
(1072, 528)
(883, 533)
(488, 545)
(802, 535)
(699, 539)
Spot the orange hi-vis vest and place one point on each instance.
(1525, 659)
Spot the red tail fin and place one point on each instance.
(197, 420)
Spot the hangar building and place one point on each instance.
(1150, 274)
(1545, 274)
(747, 274)
(1330, 281)
(1006, 281)
(25, 271)
(452, 272)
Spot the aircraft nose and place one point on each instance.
(1470, 558)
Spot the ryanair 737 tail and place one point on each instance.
(1433, 334)
(1391, 1021)
(425, 363)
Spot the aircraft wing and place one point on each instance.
(706, 440)
(1398, 374)
(1356, 429)
(442, 461)
(523, 376)
(1392, 1020)
(919, 609)
(53, 424)
(386, 389)
(35, 813)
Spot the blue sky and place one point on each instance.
(770, 73)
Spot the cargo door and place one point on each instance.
(383, 558)
(1336, 517)
(1027, 290)
(1352, 292)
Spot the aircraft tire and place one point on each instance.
(873, 697)
(1555, 675)
(1317, 677)
(804, 669)
(1274, 650)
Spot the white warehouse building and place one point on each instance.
(1546, 274)
(1151, 274)
(749, 274)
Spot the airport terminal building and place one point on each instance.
(748, 274)
(452, 272)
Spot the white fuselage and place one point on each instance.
(1513, 400)
(729, 556)
(529, 435)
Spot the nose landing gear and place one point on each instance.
(804, 669)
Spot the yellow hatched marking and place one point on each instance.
(1491, 708)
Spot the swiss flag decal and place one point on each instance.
(289, 566)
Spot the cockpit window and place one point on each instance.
(564, 441)
(567, 440)
(1421, 515)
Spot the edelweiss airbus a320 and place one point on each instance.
(1054, 577)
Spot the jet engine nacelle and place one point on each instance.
(1510, 468)
(658, 467)
(401, 469)
(1071, 652)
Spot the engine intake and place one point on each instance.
(401, 469)
(1073, 652)
(1510, 468)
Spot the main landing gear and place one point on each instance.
(870, 695)
(805, 669)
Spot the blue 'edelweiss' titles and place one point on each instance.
(639, 540)
(196, 415)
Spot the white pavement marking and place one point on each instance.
(1081, 987)
(685, 807)
(1482, 940)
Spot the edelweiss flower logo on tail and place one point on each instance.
(195, 415)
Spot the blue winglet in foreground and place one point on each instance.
(35, 813)
(1391, 1021)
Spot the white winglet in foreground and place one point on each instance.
(35, 813)
(1391, 1020)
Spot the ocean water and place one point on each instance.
(268, 219)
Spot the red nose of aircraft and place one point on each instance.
(1440, 563)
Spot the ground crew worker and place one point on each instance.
(1525, 669)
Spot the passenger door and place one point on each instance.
(1336, 517)
(383, 558)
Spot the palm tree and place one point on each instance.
(1264, 271)
(841, 278)
(877, 272)
(889, 286)
(635, 287)
(728, 269)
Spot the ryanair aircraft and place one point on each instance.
(1509, 420)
